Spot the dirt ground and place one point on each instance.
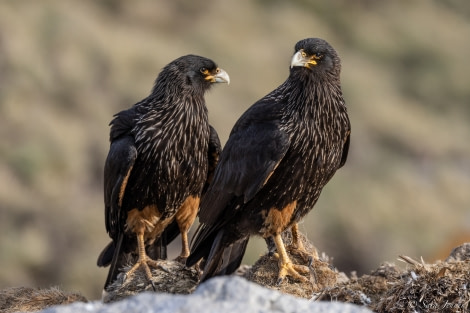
(418, 287)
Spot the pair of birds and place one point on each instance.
(165, 165)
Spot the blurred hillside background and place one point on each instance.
(67, 66)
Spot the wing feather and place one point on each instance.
(213, 154)
(119, 163)
(256, 146)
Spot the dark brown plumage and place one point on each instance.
(280, 154)
(158, 164)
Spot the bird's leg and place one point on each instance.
(297, 247)
(143, 260)
(185, 246)
(185, 218)
(296, 243)
(286, 267)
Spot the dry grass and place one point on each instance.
(439, 287)
(24, 299)
(173, 277)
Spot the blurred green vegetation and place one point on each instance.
(67, 66)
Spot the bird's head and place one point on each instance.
(198, 72)
(317, 55)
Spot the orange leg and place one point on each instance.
(185, 218)
(143, 261)
(286, 267)
(185, 245)
(296, 243)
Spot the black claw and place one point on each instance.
(279, 281)
(121, 278)
(310, 261)
(124, 277)
(153, 286)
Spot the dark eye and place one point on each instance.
(204, 70)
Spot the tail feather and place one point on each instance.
(234, 259)
(170, 233)
(106, 256)
(201, 250)
(220, 259)
(214, 259)
(158, 250)
(116, 262)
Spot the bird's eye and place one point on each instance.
(318, 56)
(204, 70)
(303, 54)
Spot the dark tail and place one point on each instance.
(111, 255)
(157, 251)
(220, 259)
(106, 256)
(170, 233)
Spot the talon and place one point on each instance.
(286, 267)
(153, 286)
(310, 261)
(313, 276)
(289, 269)
(279, 281)
(123, 278)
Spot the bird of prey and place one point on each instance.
(280, 154)
(161, 154)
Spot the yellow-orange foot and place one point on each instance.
(145, 263)
(286, 267)
(292, 270)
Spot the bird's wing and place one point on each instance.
(121, 157)
(344, 156)
(254, 149)
(256, 146)
(213, 154)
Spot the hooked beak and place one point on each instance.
(301, 59)
(220, 76)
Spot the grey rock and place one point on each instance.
(222, 294)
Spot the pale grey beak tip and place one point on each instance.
(222, 77)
